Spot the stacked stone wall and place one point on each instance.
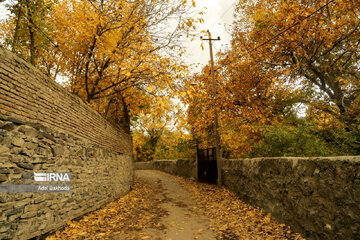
(43, 128)
(317, 197)
(179, 167)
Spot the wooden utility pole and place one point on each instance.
(216, 121)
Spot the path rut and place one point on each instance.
(181, 222)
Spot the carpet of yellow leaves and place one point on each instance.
(231, 218)
(121, 219)
(131, 216)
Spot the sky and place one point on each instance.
(218, 18)
(3, 11)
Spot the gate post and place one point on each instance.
(197, 163)
(218, 164)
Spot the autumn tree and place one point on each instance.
(149, 126)
(311, 45)
(243, 106)
(113, 49)
(26, 29)
(282, 53)
(114, 54)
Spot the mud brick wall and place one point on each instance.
(28, 95)
(45, 129)
(317, 197)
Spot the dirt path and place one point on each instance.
(181, 223)
(165, 207)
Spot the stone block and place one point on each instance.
(3, 132)
(58, 150)
(27, 175)
(39, 159)
(31, 208)
(3, 117)
(18, 142)
(30, 145)
(15, 150)
(13, 217)
(21, 203)
(8, 126)
(5, 170)
(14, 211)
(3, 177)
(15, 121)
(4, 149)
(44, 151)
(6, 141)
(27, 152)
(17, 171)
(25, 166)
(4, 227)
(28, 131)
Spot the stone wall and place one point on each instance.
(98, 176)
(317, 197)
(45, 129)
(186, 168)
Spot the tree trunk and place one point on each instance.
(31, 33)
(126, 116)
(16, 32)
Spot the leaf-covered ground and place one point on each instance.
(231, 218)
(122, 219)
(162, 206)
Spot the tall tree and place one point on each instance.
(113, 47)
(114, 52)
(309, 44)
(26, 29)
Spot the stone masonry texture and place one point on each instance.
(45, 129)
(179, 167)
(317, 197)
(28, 95)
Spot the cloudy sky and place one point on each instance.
(218, 18)
(3, 11)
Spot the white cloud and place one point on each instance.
(3, 10)
(218, 16)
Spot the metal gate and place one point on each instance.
(207, 166)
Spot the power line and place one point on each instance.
(290, 27)
(222, 15)
(287, 29)
(217, 20)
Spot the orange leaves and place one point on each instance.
(241, 101)
(231, 218)
(314, 50)
(265, 73)
(116, 58)
(126, 216)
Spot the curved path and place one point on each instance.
(163, 207)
